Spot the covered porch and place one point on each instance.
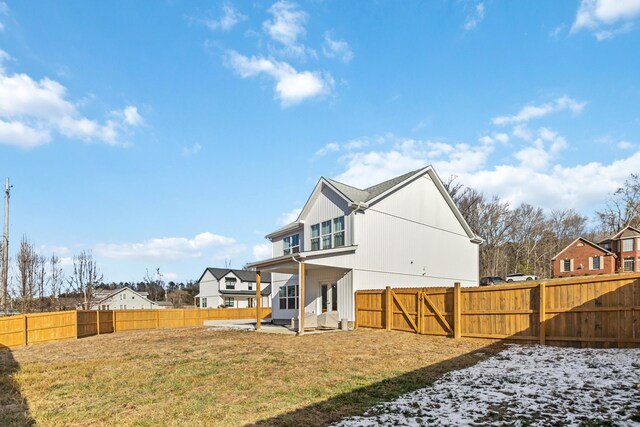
(308, 289)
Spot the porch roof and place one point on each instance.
(289, 263)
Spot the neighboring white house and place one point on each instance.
(124, 299)
(225, 287)
(405, 232)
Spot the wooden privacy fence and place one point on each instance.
(587, 310)
(64, 325)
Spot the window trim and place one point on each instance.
(287, 244)
(322, 239)
(289, 298)
(228, 280)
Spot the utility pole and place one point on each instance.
(5, 248)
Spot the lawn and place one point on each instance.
(199, 376)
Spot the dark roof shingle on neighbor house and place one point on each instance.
(243, 275)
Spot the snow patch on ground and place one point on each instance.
(522, 386)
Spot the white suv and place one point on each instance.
(519, 277)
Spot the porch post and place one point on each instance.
(258, 298)
(301, 297)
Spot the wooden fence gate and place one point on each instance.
(592, 310)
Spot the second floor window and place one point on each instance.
(328, 234)
(291, 244)
(230, 283)
(627, 245)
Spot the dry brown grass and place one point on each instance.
(198, 376)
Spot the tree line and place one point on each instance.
(524, 239)
(39, 283)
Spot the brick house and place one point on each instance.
(625, 244)
(582, 258)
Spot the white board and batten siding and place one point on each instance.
(327, 206)
(412, 238)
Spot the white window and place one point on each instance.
(338, 232)
(229, 302)
(291, 244)
(594, 263)
(565, 265)
(230, 283)
(250, 286)
(315, 237)
(288, 296)
(627, 264)
(203, 302)
(627, 245)
(328, 234)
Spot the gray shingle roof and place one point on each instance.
(360, 196)
(244, 275)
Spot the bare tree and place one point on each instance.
(55, 281)
(154, 285)
(85, 278)
(26, 263)
(623, 207)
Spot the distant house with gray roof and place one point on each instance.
(226, 287)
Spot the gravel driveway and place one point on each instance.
(522, 386)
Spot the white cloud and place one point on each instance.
(31, 110)
(262, 251)
(501, 137)
(4, 10)
(533, 176)
(229, 19)
(625, 145)
(165, 249)
(329, 148)
(617, 16)
(287, 24)
(333, 48)
(521, 131)
(228, 253)
(475, 18)
(190, 151)
(20, 135)
(131, 116)
(531, 112)
(368, 168)
(292, 86)
(289, 217)
(556, 31)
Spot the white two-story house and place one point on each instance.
(404, 232)
(124, 299)
(225, 287)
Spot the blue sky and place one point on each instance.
(176, 134)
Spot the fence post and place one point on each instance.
(543, 312)
(355, 320)
(157, 319)
(98, 322)
(388, 308)
(26, 331)
(113, 317)
(419, 310)
(457, 315)
(75, 325)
